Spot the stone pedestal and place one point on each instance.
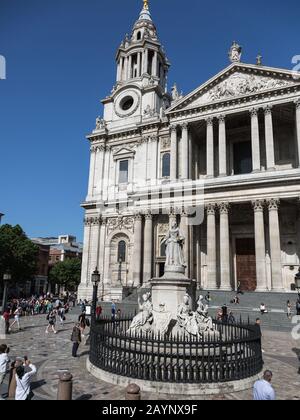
(168, 291)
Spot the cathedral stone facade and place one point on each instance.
(231, 148)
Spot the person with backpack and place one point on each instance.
(76, 339)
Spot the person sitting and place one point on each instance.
(263, 309)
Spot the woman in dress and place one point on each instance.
(145, 316)
(174, 242)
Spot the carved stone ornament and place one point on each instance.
(235, 53)
(224, 208)
(241, 84)
(165, 143)
(273, 204)
(211, 209)
(100, 123)
(120, 223)
(163, 228)
(150, 112)
(92, 221)
(258, 205)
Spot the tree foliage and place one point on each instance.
(18, 254)
(66, 273)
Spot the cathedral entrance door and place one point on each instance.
(246, 264)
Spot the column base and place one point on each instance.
(226, 288)
(271, 169)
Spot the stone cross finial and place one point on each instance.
(259, 60)
(146, 4)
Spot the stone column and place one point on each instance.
(275, 245)
(148, 247)
(191, 156)
(298, 128)
(137, 252)
(224, 247)
(86, 252)
(92, 171)
(129, 70)
(210, 148)
(256, 166)
(269, 133)
(94, 246)
(298, 228)
(184, 151)
(99, 170)
(222, 147)
(145, 61)
(138, 64)
(173, 129)
(184, 227)
(154, 64)
(211, 247)
(260, 246)
(101, 288)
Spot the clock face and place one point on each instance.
(127, 103)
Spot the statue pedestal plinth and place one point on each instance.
(168, 291)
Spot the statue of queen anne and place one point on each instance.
(174, 247)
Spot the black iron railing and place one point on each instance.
(234, 354)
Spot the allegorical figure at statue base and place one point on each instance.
(197, 324)
(144, 319)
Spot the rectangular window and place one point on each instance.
(123, 176)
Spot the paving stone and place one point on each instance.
(53, 352)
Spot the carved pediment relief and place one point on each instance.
(236, 82)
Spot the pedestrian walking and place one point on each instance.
(4, 362)
(17, 314)
(298, 307)
(289, 309)
(82, 322)
(263, 390)
(6, 317)
(113, 311)
(61, 314)
(76, 339)
(98, 312)
(51, 318)
(23, 379)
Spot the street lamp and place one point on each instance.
(6, 280)
(95, 281)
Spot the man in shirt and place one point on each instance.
(263, 390)
(4, 361)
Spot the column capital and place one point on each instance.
(184, 126)
(268, 110)
(209, 121)
(221, 118)
(211, 209)
(184, 212)
(224, 207)
(273, 204)
(297, 103)
(173, 128)
(258, 205)
(148, 215)
(138, 217)
(254, 112)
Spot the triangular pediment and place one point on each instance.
(236, 81)
(123, 153)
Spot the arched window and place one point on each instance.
(139, 36)
(166, 160)
(122, 251)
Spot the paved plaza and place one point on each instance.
(51, 353)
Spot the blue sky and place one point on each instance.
(60, 63)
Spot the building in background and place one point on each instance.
(40, 285)
(236, 137)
